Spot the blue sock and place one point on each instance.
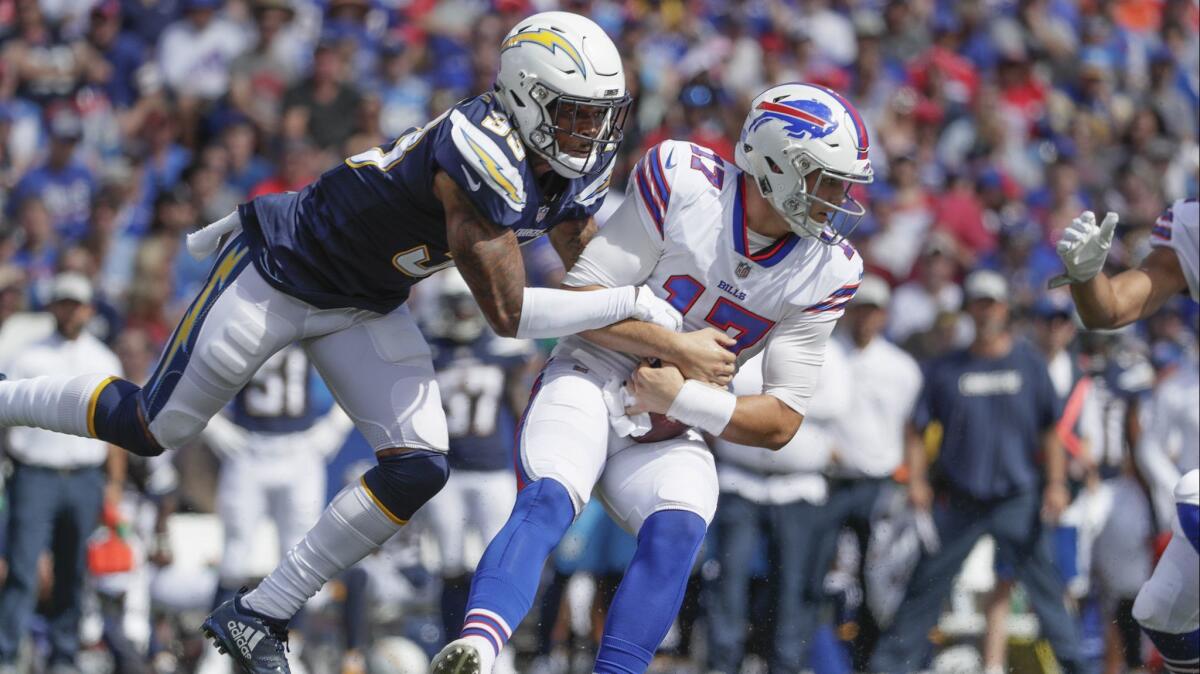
(118, 421)
(1181, 652)
(1189, 521)
(506, 579)
(649, 595)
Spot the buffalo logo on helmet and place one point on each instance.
(802, 118)
(550, 40)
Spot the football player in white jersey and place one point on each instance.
(1168, 605)
(754, 250)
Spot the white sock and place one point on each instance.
(350, 528)
(56, 403)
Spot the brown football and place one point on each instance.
(662, 428)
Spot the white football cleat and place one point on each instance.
(468, 655)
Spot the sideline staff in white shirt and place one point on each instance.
(58, 485)
(887, 382)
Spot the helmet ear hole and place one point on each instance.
(764, 185)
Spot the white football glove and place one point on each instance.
(1084, 247)
(651, 309)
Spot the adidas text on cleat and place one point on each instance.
(457, 658)
(257, 644)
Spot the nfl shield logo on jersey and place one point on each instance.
(743, 270)
(541, 212)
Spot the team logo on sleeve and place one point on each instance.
(485, 159)
(550, 40)
(802, 119)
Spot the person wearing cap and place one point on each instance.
(63, 183)
(996, 409)
(57, 487)
(870, 437)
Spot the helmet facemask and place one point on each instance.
(559, 139)
(799, 205)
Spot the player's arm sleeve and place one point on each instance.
(793, 358)
(623, 252)
(485, 170)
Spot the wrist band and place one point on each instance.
(703, 406)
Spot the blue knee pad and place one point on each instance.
(402, 483)
(118, 420)
(1189, 521)
(651, 591)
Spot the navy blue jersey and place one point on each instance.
(993, 412)
(365, 231)
(473, 381)
(285, 396)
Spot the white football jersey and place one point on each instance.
(687, 205)
(1178, 228)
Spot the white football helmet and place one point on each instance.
(793, 130)
(562, 82)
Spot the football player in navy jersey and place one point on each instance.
(331, 266)
(482, 378)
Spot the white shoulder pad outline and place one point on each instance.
(488, 161)
(598, 188)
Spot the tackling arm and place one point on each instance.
(489, 260)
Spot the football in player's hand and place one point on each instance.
(662, 427)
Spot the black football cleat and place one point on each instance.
(257, 644)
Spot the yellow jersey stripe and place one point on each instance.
(91, 411)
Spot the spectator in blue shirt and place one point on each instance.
(997, 409)
(62, 183)
(122, 52)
